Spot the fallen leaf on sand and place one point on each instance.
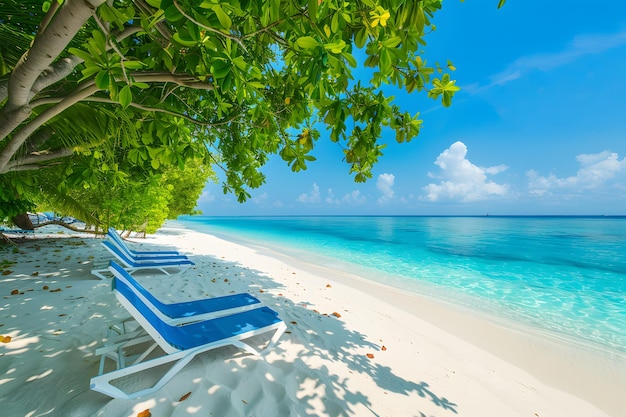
(15, 292)
(328, 286)
(336, 314)
(5, 339)
(383, 348)
(6, 272)
(145, 413)
(370, 355)
(184, 397)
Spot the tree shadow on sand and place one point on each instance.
(305, 385)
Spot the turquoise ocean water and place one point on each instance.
(562, 275)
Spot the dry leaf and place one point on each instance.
(5, 339)
(6, 272)
(336, 314)
(261, 290)
(370, 355)
(383, 348)
(15, 292)
(145, 413)
(328, 286)
(184, 397)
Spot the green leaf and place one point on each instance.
(220, 69)
(307, 42)
(125, 96)
(134, 64)
(313, 4)
(184, 41)
(222, 17)
(392, 42)
(85, 56)
(360, 38)
(501, 3)
(350, 59)
(102, 80)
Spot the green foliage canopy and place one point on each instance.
(124, 88)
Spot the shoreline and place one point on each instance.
(353, 347)
(574, 366)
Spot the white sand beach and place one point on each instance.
(352, 348)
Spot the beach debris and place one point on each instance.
(184, 397)
(383, 348)
(15, 292)
(34, 274)
(293, 322)
(244, 401)
(328, 286)
(45, 287)
(5, 339)
(336, 314)
(57, 290)
(7, 272)
(145, 413)
(370, 355)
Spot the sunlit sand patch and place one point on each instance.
(40, 376)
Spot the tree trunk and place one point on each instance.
(23, 222)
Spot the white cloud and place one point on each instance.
(596, 170)
(351, 199)
(461, 180)
(385, 186)
(577, 48)
(260, 199)
(313, 197)
(206, 197)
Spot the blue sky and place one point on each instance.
(539, 126)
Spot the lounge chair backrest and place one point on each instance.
(129, 262)
(175, 338)
(122, 256)
(143, 314)
(184, 309)
(117, 239)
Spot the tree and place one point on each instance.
(121, 86)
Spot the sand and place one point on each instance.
(353, 347)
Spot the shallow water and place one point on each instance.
(565, 275)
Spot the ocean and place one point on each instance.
(564, 276)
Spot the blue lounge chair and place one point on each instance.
(188, 311)
(131, 265)
(141, 255)
(180, 344)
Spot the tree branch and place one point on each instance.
(20, 136)
(33, 160)
(45, 48)
(210, 29)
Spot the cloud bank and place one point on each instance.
(461, 180)
(595, 172)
